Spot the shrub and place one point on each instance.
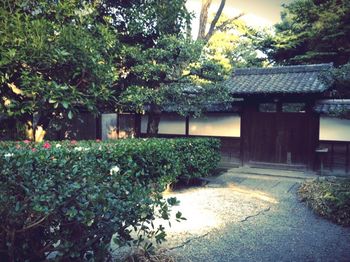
(68, 199)
(329, 199)
(199, 157)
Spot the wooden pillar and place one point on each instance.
(332, 156)
(347, 158)
(249, 108)
(137, 125)
(98, 127)
(187, 126)
(118, 127)
(314, 132)
(241, 144)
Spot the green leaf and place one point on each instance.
(70, 115)
(65, 104)
(178, 215)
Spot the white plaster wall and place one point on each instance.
(169, 124)
(216, 124)
(335, 129)
(109, 126)
(144, 120)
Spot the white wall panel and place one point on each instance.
(172, 124)
(109, 126)
(335, 129)
(216, 124)
(144, 120)
(169, 124)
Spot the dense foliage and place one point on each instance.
(59, 57)
(237, 45)
(160, 63)
(341, 82)
(312, 31)
(55, 59)
(329, 198)
(68, 200)
(198, 158)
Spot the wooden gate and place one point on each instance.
(279, 137)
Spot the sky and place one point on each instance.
(258, 13)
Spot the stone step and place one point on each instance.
(280, 166)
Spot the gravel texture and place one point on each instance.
(240, 217)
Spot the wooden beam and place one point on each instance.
(118, 127)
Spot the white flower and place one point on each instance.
(79, 148)
(114, 170)
(8, 155)
(58, 145)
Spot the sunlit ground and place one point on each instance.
(209, 208)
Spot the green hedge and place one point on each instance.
(198, 157)
(67, 199)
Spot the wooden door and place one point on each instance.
(279, 137)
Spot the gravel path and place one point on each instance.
(241, 217)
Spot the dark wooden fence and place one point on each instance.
(337, 160)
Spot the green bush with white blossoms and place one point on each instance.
(67, 200)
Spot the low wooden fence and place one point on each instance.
(337, 159)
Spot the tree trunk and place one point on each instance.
(215, 20)
(43, 121)
(153, 121)
(203, 19)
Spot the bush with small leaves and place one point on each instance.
(68, 200)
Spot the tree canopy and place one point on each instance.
(61, 57)
(55, 60)
(312, 31)
(159, 61)
(237, 45)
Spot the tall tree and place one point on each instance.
(205, 35)
(159, 61)
(143, 22)
(172, 73)
(312, 31)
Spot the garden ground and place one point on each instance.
(242, 216)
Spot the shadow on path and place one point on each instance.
(245, 217)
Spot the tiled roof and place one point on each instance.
(299, 79)
(333, 106)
